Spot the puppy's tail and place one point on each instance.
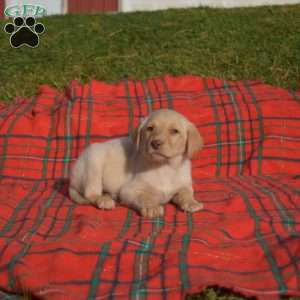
(77, 197)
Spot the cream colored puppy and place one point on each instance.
(144, 171)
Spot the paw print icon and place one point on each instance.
(24, 31)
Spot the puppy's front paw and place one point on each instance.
(152, 212)
(191, 206)
(185, 200)
(105, 202)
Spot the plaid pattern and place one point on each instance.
(246, 238)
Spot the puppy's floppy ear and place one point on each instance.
(136, 133)
(194, 141)
(135, 136)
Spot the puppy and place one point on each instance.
(144, 171)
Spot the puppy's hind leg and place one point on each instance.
(104, 201)
(94, 193)
(89, 190)
(77, 197)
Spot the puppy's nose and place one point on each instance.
(156, 144)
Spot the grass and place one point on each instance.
(217, 293)
(247, 43)
(235, 44)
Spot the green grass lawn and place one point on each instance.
(254, 43)
(235, 44)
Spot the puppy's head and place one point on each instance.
(166, 134)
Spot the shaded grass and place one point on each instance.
(218, 293)
(246, 43)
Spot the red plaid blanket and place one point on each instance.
(247, 238)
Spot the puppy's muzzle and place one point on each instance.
(156, 144)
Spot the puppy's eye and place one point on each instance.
(150, 128)
(174, 131)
